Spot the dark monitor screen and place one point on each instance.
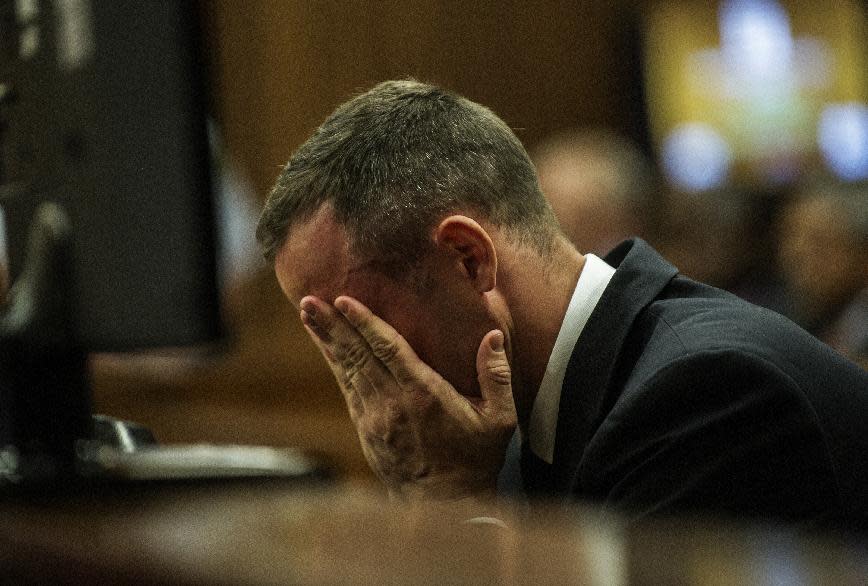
(104, 112)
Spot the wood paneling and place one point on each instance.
(284, 66)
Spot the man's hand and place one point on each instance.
(419, 435)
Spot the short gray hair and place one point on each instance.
(397, 159)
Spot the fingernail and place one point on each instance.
(309, 308)
(342, 306)
(496, 342)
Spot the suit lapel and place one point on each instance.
(640, 276)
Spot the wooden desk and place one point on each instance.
(277, 534)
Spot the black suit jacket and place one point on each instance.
(680, 396)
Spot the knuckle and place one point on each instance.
(500, 372)
(403, 374)
(428, 382)
(345, 382)
(385, 348)
(355, 357)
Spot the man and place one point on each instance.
(411, 233)
(823, 257)
(597, 184)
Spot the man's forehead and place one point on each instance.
(315, 257)
(316, 260)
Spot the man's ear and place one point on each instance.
(465, 241)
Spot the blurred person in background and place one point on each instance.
(823, 257)
(598, 184)
(719, 237)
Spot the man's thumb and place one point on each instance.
(492, 367)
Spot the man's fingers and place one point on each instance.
(318, 336)
(354, 401)
(344, 345)
(350, 356)
(495, 374)
(385, 343)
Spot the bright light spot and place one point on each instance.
(696, 157)
(757, 38)
(842, 135)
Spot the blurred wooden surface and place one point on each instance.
(273, 534)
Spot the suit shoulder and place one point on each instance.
(717, 429)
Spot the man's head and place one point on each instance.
(396, 159)
(823, 248)
(402, 199)
(598, 184)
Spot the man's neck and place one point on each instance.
(539, 294)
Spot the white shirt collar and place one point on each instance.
(594, 278)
